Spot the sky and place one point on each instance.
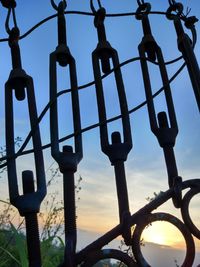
(145, 168)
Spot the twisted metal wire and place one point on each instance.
(72, 12)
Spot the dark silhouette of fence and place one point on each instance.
(163, 125)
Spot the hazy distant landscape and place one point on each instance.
(156, 255)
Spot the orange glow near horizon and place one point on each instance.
(164, 233)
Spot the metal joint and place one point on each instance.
(177, 8)
(63, 53)
(92, 6)
(29, 202)
(18, 76)
(11, 9)
(66, 158)
(177, 186)
(99, 17)
(148, 39)
(185, 46)
(143, 10)
(166, 134)
(117, 150)
(56, 7)
(103, 46)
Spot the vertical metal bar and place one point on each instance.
(118, 150)
(165, 133)
(66, 159)
(70, 216)
(99, 24)
(122, 192)
(62, 39)
(16, 62)
(32, 229)
(29, 202)
(185, 47)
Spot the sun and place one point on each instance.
(158, 239)
(155, 234)
(162, 233)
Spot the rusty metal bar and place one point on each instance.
(185, 47)
(66, 159)
(118, 150)
(32, 229)
(163, 125)
(165, 134)
(28, 204)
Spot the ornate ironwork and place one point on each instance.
(163, 125)
(27, 204)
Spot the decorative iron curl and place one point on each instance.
(98, 255)
(136, 219)
(185, 211)
(153, 217)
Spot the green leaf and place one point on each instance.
(61, 241)
(20, 245)
(9, 254)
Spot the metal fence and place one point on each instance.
(163, 125)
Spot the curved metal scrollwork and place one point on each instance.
(185, 211)
(153, 217)
(96, 256)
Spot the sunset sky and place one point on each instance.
(97, 208)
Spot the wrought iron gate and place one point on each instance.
(164, 126)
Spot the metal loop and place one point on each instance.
(160, 216)
(56, 6)
(96, 256)
(7, 27)
(165, 134)
(28, 202)
(67, 160)
(140, 2)
(185, 211)
(176, 7)
(117, 150)
(143, 10)
(92, 6)
(172, 2)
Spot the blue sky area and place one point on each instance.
(145, 167)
